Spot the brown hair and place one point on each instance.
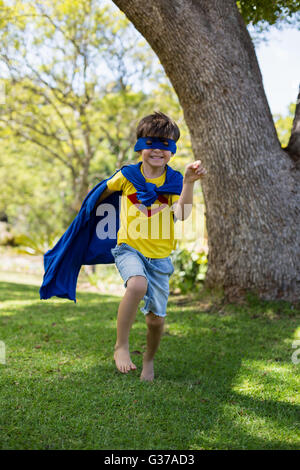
(158, 125)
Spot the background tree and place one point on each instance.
(73, 74)
(70, 66)
(251, 190)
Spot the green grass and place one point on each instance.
(224, 375)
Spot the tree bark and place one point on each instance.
(250, 191)
(293, 147)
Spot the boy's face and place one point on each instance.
(156, 158)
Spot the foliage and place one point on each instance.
(73, 74)
(35, 244)
(260, 15)
(190, 268)
(270, 11)
(284, 125)
(59, 62)
(35, 193)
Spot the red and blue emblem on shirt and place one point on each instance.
(149, 212)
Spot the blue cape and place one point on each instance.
(80, 244)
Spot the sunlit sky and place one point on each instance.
(279, 61)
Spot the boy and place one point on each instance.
(143, 261)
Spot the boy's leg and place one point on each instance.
(135, 290)
(155, 327)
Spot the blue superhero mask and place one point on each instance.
(155, 143)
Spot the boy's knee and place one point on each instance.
(138, 285)
(154, 321)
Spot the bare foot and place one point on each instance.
(123, 361)
(148, 371)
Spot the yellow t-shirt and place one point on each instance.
(149, 230)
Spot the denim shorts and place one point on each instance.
(131, 262)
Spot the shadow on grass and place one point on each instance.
(70, 395)
(15, 291)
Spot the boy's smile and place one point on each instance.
(154, 161)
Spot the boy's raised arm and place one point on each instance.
(193, 172)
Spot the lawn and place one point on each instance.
(224, 375)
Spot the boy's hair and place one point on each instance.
(158, 125)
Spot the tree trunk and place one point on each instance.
(293, 147)
(252, 207)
